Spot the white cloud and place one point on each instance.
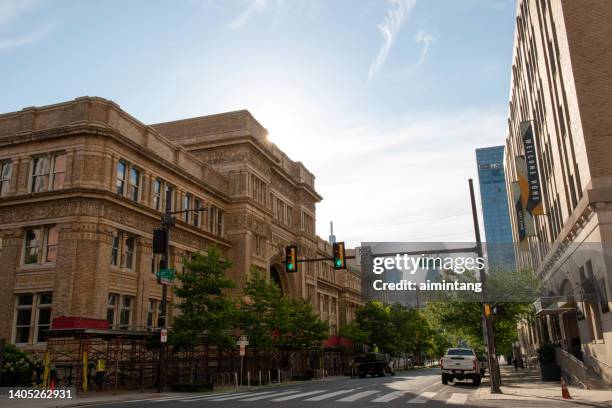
(425, 39)
(10, 10)
(26, 39)
(254, 6)
(396, 15)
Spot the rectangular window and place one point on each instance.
(40, 170)
(157, 190)
(126, 309)
(168, 204)
(44, 315)
(5, 178)
(111, 308)
(51, 245)
(33, 241)
(134, 184)
(120, 182)
(58, 171)
(196, 213)
(186, 207)
(23, 319)
(152, 308)
(219, 228)
(115, 245)
(129, 252)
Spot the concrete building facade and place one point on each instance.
(83, 186)
(561, 93)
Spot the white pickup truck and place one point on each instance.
(460, 364)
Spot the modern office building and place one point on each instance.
(494, 199)
(558, 167)
(82, 188)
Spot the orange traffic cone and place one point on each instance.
(564, 391)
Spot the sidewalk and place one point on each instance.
(526, 385)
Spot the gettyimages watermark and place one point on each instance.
(417, 272)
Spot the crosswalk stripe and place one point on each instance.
(303, 394)
(457, 399)
(220, 397)
(357, 396)
(236, 396)
(175, 397)
(260, 396)
(329, 395)
(390, 396)
(422, 398)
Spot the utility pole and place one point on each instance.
(164, 277)
(494, 374)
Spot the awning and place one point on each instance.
(551, 305)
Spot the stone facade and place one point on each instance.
(561, 83)
(82, 186)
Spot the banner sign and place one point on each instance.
(534, 199)
(524, 220)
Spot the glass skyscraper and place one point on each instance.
(496, 217)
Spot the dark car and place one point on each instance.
(374, 364)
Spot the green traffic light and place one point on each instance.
(338, 262)
(290, 266)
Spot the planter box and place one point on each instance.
(550, 372)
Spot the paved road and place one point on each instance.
(420, 388)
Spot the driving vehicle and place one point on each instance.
(460, 364)
(374, 364)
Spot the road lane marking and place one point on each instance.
(390, 396)
(357, 396)
(329, 395)
(457, 399)
(303, 394)
(422, 398)
(244, 395)
(260, 396)
(219, 397)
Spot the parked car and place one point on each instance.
(460, 364)
(374, 364)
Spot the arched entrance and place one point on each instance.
(571, 333)
(276, 276)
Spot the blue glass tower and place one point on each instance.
(496, 217)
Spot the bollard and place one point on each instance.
(260, 378)
(279, 377)
(269, 377)
(249, 380)
(236, 380)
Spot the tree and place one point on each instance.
(272, 320)
(207, 312)
(19, 368)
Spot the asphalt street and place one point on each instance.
(416, 388)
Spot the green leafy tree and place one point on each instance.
(20, 368)
(207, 312)
(272, 320)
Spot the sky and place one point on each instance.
(384, 101)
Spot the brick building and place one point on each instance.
(560, 125)
(82, 186)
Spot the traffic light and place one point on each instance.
(497, 310)
(160, 240)
(487, 310)
(291, 258)
(339, 255)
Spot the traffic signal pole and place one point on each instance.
(494, 374)
(167, 221)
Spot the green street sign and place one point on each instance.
(165, 276)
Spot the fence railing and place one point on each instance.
(573, 369)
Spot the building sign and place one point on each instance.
(534, 199)
(163, 335)
(524, 220)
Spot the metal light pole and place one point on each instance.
(493, 367)
(167, 221)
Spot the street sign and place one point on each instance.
(163, 336)
(242, 350)
(242, 343)
(165, 276)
